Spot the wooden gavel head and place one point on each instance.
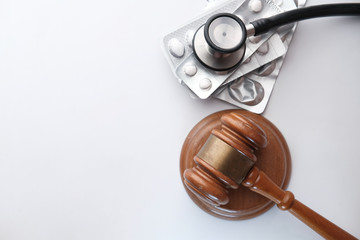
(219, 152)
(225, 159)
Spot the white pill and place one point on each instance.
(263, 49)
(189, 36)
(279, 2)
(255, 39)
(190, 70)
(205, 84)
(247, 60)
(176, 48)
(255, 5)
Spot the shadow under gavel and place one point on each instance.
(227, 160)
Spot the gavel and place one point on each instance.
(227, 160)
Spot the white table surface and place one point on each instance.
(92, 122)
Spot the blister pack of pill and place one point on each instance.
(250, 84)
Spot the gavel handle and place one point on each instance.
(260, 183)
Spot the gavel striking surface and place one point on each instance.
(274, 160)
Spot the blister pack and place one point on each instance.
(249, 85)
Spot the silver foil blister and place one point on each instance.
(187, 58)
(252, 91)
(259, 83)
(270, 50)
(248, 86)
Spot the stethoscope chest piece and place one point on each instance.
(219, 44)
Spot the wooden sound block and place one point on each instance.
(274, 160)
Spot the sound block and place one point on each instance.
(274, 160)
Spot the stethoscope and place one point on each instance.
(219, 44)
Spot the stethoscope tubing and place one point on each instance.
(326, 10)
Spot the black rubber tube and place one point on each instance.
(327, 10)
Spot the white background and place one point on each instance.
(92, 122)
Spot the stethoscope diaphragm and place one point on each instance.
(219, 44)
